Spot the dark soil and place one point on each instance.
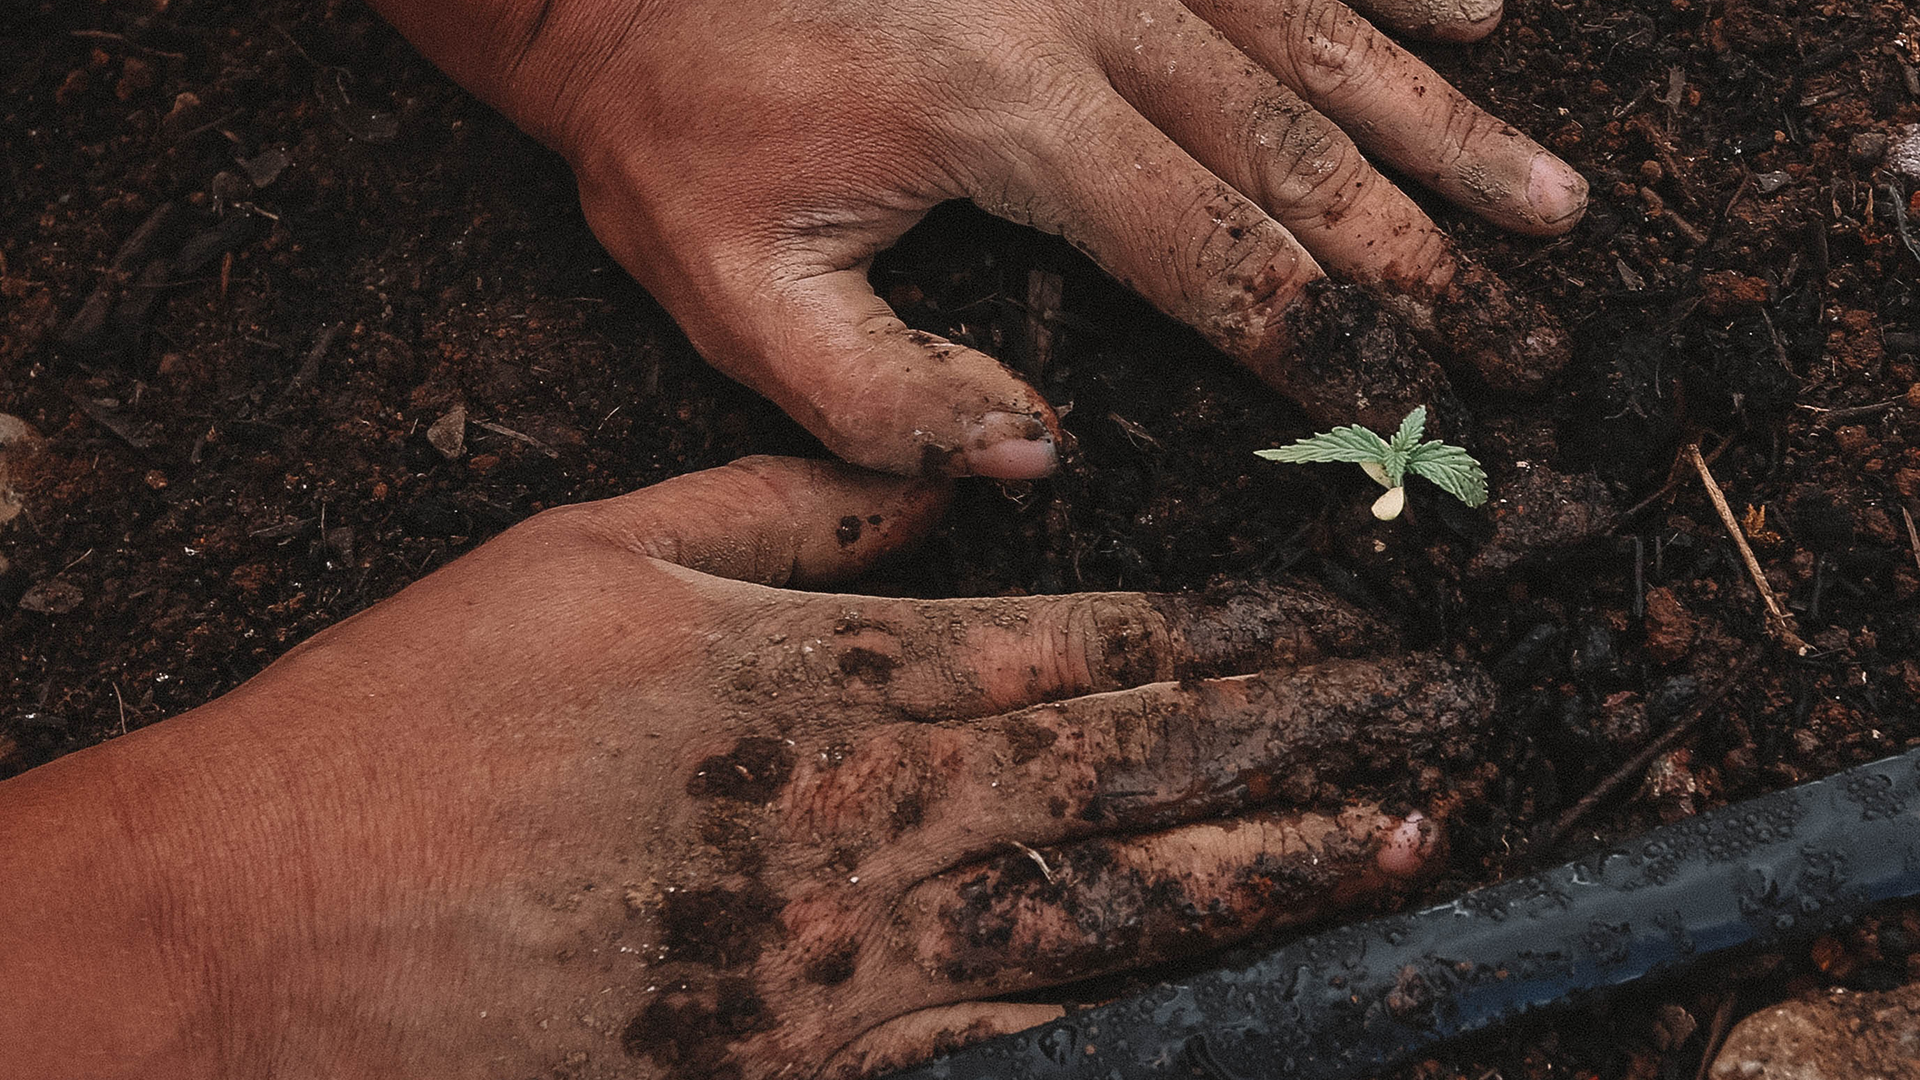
(250, 253)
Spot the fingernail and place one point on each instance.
(1557, 193)
(1405, 849)
(1474, 20)
(1011, 446)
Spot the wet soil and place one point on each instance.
(251, 254)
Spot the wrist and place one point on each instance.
(100, 986)
(534, 60)
(162, 896)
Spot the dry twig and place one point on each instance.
(1913, 535)
(1823, 417)
(1779, 619)
(1637, 764)
(1674, 476)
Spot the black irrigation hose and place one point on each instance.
(1347, 1003)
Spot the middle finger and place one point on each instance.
(1403, 112)
(846, 657)
(1258, 134)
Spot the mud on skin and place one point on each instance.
(1351, 353)
(763, 919)
(1509, 339)
(903, 660)
(1105, 904)
(1346, 358)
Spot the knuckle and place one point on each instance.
(1309, 163)
(1241, 278)
(1119, 641)
(1335, 52)
(560, 528)
(1233, 236)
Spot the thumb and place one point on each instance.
(797, 320)
(773, 520)
(837, 359)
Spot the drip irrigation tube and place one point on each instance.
(1347, 1003)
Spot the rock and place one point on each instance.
(1903, 152)
(17, 440)
(1670, 626)
(449, 433)
(1832, 1035)
(265, 167)
(52, 597)
(1867, 147)
(1537, 511)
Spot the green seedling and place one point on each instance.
(1451, 469)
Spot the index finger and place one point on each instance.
(1402, 112)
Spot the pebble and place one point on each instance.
(1830, 1035)
(1867, 148)
(18, 439)
(1903, 152)
(449, 433)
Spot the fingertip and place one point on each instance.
(1011, 446)
(1409, 846)
(1556, 193)
(1456, 21)
(1471, 26)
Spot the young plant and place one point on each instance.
(1451, 469)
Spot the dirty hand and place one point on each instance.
(745, 161)
(601, 798)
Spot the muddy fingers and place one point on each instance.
(930, 1033)
(915, 800)
(1260, 136)
(1038, 917)
(827, 658)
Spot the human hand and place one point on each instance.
(584, 803)
(746, 161)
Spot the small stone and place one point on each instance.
(1670, 626)
(15, 430)
(1867, 148)
(17, 440)
(449, 433)
(265, 167)
(1830, 1035)
(1903, 152)
(1767, 183)
(52, 597)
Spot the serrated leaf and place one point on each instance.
(1347, 443)
(1395, 465)
(1451, 469)
(1404, 442)
(1411, 428)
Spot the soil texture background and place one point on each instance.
(251, 254)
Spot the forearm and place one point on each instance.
(151, 889)
(90, 990)
(523, 57)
